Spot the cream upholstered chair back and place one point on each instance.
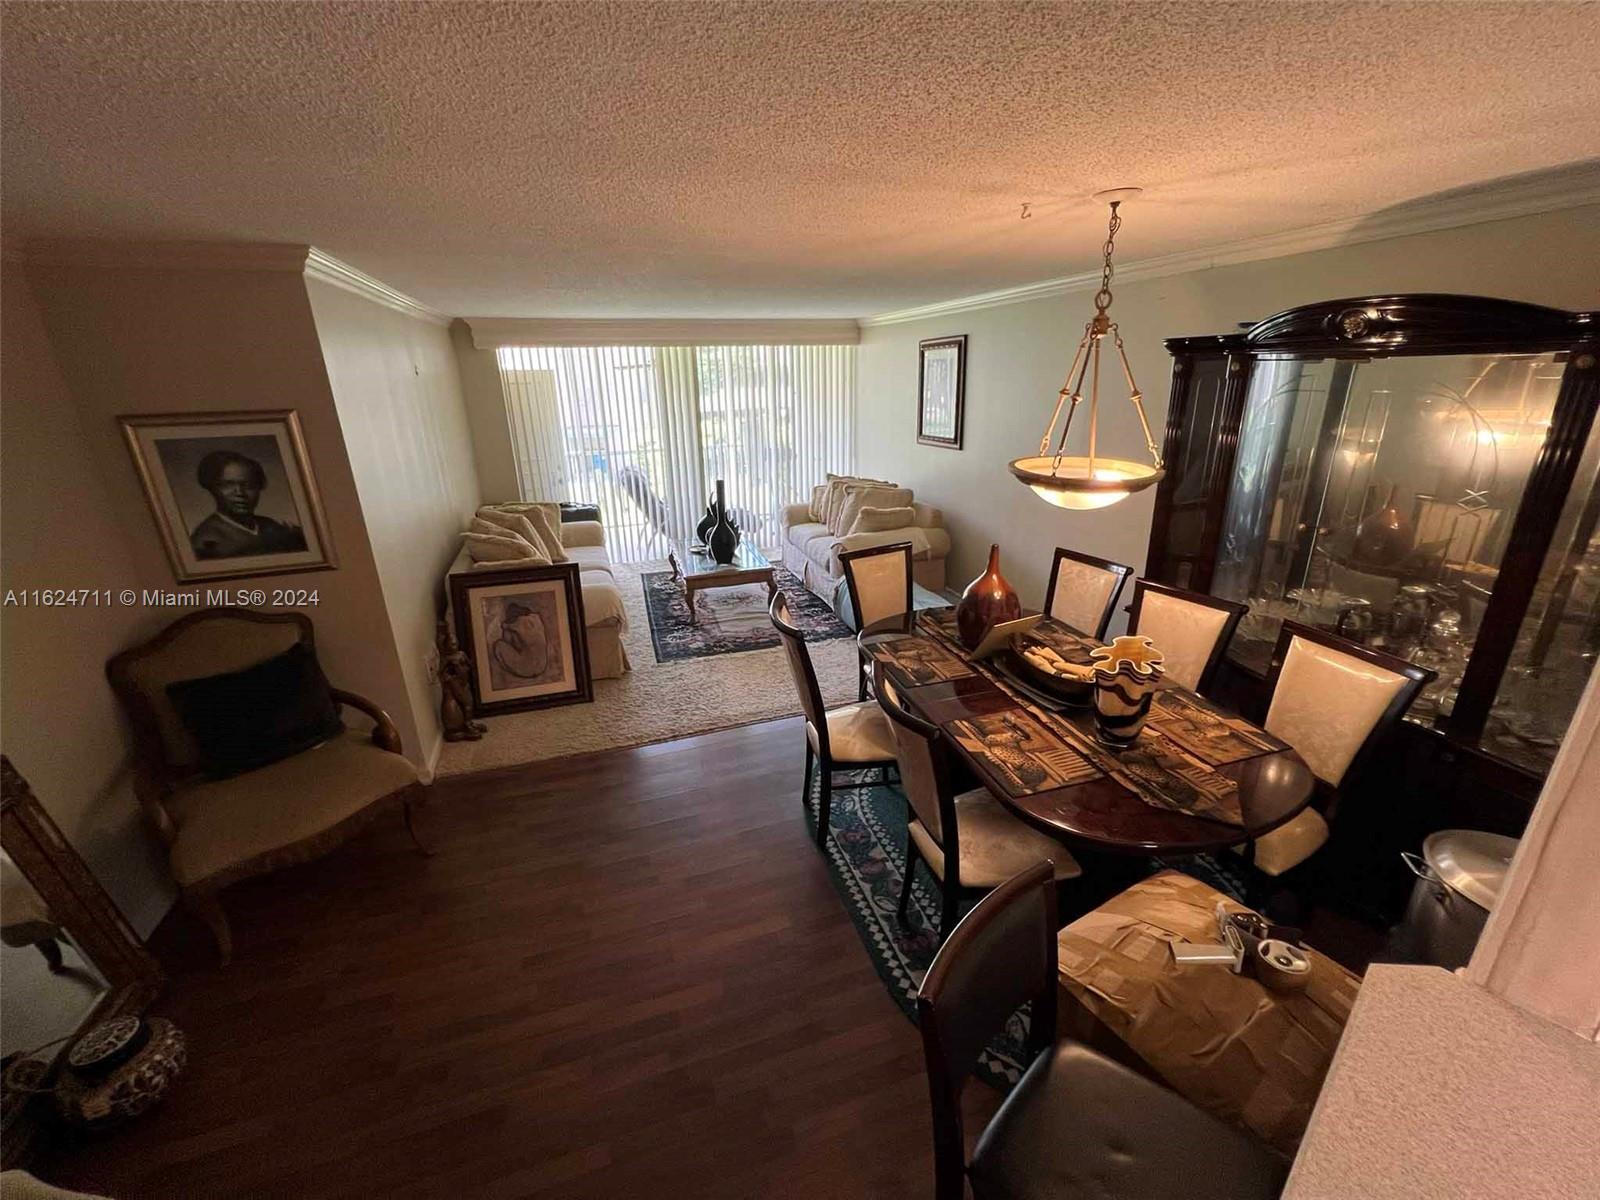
(805, 676)
(214, 642)
(1330, 697)
(1083, 591)
(1190, 630)
(879, 579)
(917, 753)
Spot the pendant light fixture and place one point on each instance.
(1091, 480)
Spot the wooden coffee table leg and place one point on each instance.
(688, 598)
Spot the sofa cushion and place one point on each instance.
(602, 602)
(544, 517)
(879, 520)
(833, 495)
(818, 497)
(226, 822)
(495, 522)
(799, 535)
(590, 558)
(582, 533)
(858, 496)
(819, 550)
(505, 548)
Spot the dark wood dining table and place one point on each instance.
(1100, 813)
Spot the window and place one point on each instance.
(645, 431)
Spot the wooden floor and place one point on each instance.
(623, 975)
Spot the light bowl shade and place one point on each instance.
(1067, 482)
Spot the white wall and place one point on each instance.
(176, 340)
(486, 415)
(1018, 355)
(398, 393)
(59, 528)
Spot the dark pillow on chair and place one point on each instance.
(246, 719)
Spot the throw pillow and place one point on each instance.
(545, 520)
(858, 496)
(246, 719)
(818, 493)
(882, 520)
(499, 524)
(833, 499)
(489, 548)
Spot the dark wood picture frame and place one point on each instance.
(463, 584)
(318, 554)
(958, 342)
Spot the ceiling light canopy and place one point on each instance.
(1091, 480)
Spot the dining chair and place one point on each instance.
(969, 842)
(878, 579)
(1191, 629)
(1333, 702)
(1083, 591)
(1076, 1124)
(854, 736)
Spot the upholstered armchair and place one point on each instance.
(219, 831)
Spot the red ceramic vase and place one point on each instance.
(988, 600)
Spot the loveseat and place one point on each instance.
(816, 533)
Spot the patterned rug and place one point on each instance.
(731, 619)
(865, 854)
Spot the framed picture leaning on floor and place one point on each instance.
(523, 631)
(232, 493)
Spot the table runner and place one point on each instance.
(1207, 732)
(1156, 769)
(1019, 755)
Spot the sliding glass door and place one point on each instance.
(644, 431)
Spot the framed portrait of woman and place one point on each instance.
(523, 632)
(232, 493)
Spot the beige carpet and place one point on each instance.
(655, 702)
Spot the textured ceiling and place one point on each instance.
(790, 159)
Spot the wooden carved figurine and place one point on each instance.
(455, 686)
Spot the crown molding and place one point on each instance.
(165, 256)
(322, 266)
(1568, 190)
(491, 333)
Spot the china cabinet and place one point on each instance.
(1421, 474)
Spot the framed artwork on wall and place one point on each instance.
(942, 391)
(232, 493)
(523, 632)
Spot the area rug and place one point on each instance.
(655, 701)
(866, 854)
(730, 620)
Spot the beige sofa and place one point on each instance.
(605, 618)
(811, 553)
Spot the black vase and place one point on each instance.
(703, 530)
(723, 540)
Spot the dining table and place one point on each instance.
(1198, 777)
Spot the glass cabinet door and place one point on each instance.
(1374, 499)
(1559, 640)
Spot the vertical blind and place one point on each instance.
(645, 431)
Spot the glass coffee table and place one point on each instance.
(698, 571)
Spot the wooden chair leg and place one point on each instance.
(861, 677)
(805, 793)
(204, 905)
(411, 828)
(948, 907)
(824, 804)
(905, 882)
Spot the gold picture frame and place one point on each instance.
(232, 493)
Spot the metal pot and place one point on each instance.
(1459, 876)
